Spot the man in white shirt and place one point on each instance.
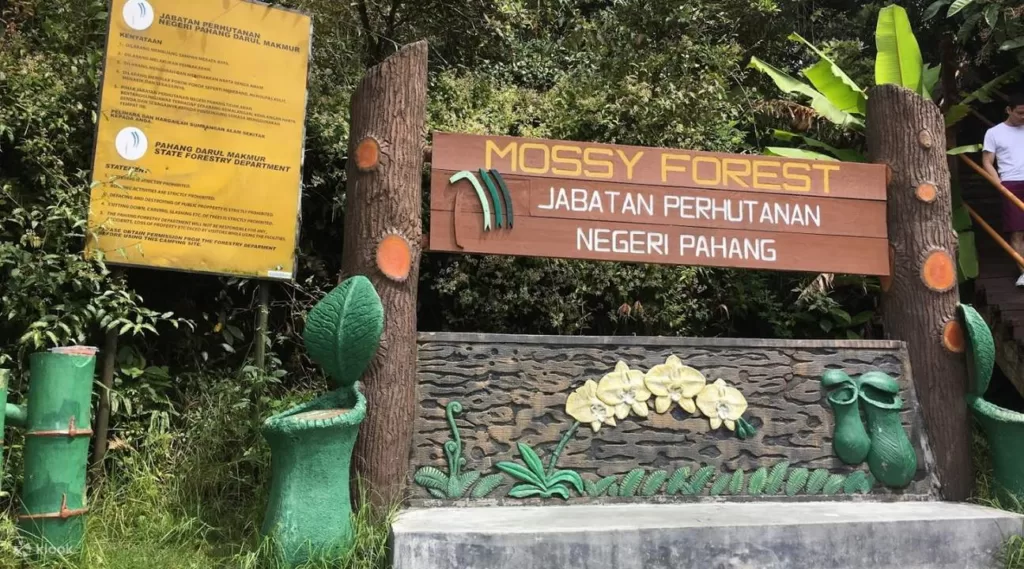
(1004, 146)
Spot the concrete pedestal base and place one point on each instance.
(809, 535)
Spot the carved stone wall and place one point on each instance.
(513, 389)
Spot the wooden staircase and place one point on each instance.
(995, 295)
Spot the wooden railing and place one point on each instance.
(997, 184)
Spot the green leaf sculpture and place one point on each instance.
(631, 482)
(857, 483)
(654, 483)
(797, 479)
(817, 480)
(721, 483)
(776, 477)
(678, 480)
(344, 329)
(536, 482)
(699, 481)
(736, 484)
(981, 349)
(834, 484)
(603, 485)
(487, 485)
(757, 481)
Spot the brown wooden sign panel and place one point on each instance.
(663, 244)
(658, 167)
(689, 207)
(490, 196)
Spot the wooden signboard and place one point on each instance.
(545, 198)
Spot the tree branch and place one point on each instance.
(371, 39)
(390, 26)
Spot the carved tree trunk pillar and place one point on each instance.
(382, 241)
(919, 300)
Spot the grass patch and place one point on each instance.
(193, 499)
(1012, 554)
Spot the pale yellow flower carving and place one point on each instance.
(722, 404)
(624, 390)
(585, 406)
(672, 382)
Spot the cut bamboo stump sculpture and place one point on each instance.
(57, 432)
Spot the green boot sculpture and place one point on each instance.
(884, 444)
(309, 513)
(850, 440)
(892, 458)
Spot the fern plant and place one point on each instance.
(455, 484)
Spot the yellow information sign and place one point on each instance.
(200, 140)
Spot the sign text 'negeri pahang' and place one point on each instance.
(545, 198)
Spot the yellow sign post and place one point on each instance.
(200, 140)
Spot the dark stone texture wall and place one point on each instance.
(514, 388)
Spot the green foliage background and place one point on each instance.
(645, 72)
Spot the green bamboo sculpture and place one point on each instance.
(56, 423)
(309, 513)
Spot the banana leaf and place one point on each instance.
(796, 153)
(966, 149)
(819, 102)
(833, 82)
(899, 59)
(967, 256)
(844, 154)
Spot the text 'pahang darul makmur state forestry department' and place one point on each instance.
(219, 156)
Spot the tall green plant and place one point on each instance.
(50, 293)
(899, 59)
(837, 98)
(997, 23)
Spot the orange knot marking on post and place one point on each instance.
(924, 138)
(953, 337)
(394, 257)
(926, 192)
(367, 154)
(938, 271)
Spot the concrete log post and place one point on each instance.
(919, 301)
(383, 230)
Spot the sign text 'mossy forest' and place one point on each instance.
(514, 196)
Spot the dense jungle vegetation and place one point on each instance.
(186, 475)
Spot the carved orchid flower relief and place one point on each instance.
(624, 391)
(722, 404)
(627, 391)
(586, 407)
(673, 383)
